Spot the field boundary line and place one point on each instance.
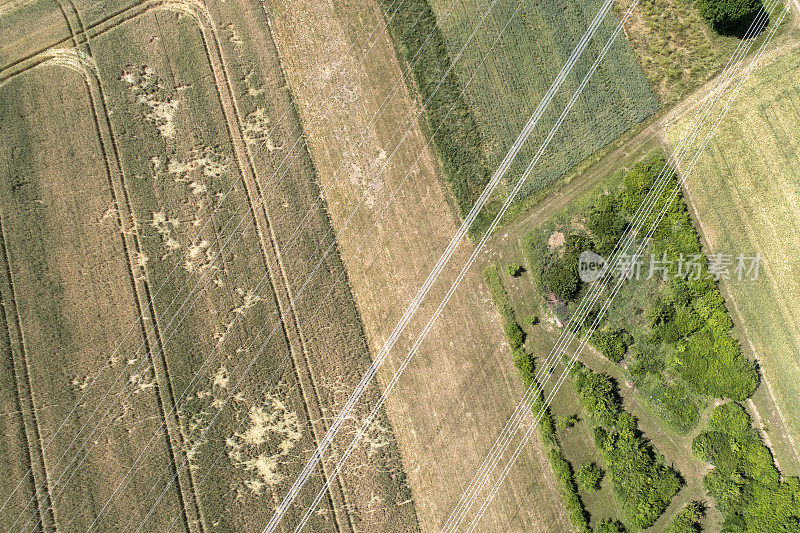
(24, 393)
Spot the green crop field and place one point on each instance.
(747, 200)
(520, 68)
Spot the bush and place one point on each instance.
(731, 17)
(514, 334)
(643, 483)
(572, 501)
(608, 525)
(688, 520)
(525, 366)
(612, 344)
(567, 421)
(589, 477)
(513, 270)
(599, 397)
(532, 320)
(562, 279)
(744, 482)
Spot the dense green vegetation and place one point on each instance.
(589, 477)
(672, 330)
(729, 16)
(745, 483)
(609, 526)
(419, 43)
(643, 483)
(688, 519)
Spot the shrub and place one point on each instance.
(589, 477)
(599, 397)
(514, 333)
(567, 421)
(562, 279)
(572, 501)
(643, 483)
(532, 320)
(612, 344)
(606, 223)
(729, 16)
(688, 520)
(513, 270)
(744, 481)
(608, 525)
(525, 366)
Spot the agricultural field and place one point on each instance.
(181, 183)
(746, 200)
(458, 391)
(216, 215)
(503, 90)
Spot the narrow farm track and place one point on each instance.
(23, 393)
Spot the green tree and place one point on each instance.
(562, 279)
(589, 477)
(731, 17)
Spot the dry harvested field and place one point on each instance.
(142, 149)
(455, 396)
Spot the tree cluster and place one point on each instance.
(643, 484)
(729, 17)
(745, 483)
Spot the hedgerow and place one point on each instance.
(744, 482)
(511, 328)
(419, 44)
(643, 483)
(524, 362)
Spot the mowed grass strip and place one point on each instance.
(520, 68)
(745, 192)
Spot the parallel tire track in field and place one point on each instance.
(271, 256)
(22, 392)
(132, 248)
(132, 245)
